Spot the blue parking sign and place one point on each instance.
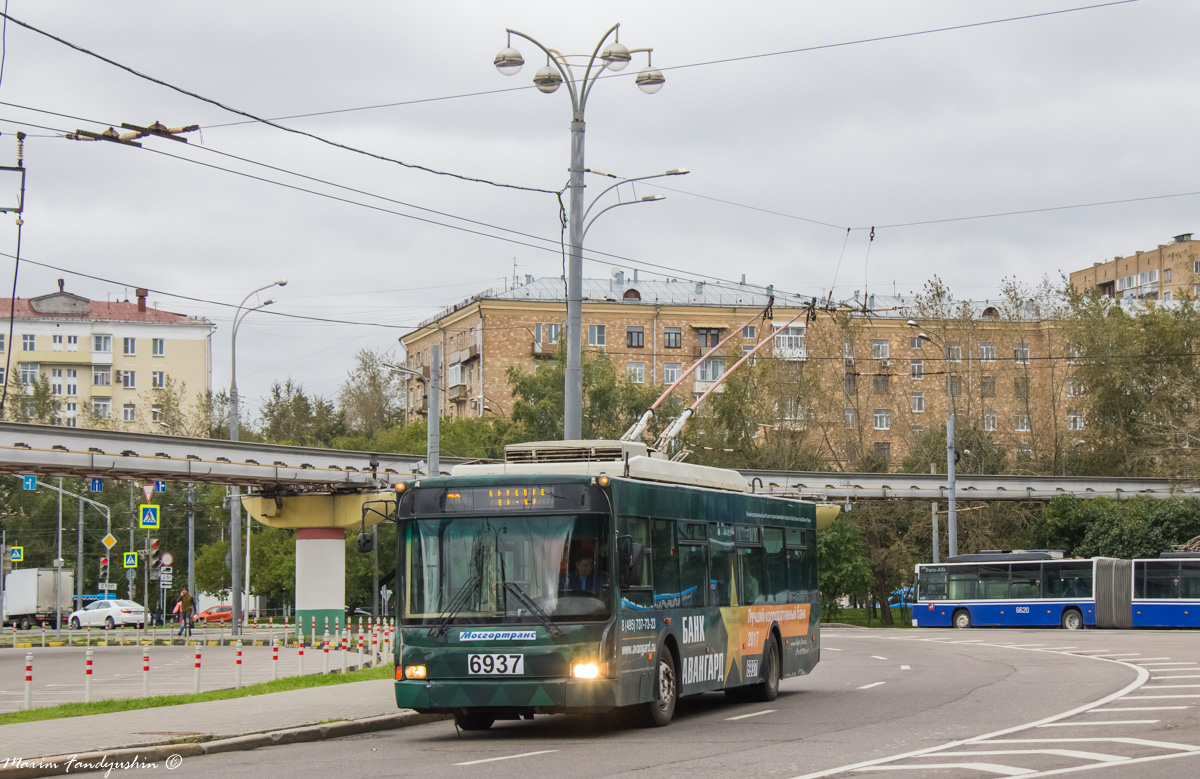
(96, 485)
(160, 486)
(29, 482)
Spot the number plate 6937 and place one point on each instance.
(496, 665)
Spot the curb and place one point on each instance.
(161, 751)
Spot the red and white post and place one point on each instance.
(300, 656)
(145, 672)
(196, 674)
(237, 669)
(87, 678)
(274, 660)
(28, 678)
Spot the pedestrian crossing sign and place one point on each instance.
(16, 554)
(149, 514)
(131, 559)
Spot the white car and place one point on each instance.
(108, 613)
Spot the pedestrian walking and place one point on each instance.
(185, 608)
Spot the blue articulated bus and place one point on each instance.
(1045, 589)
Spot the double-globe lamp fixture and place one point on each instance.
(616, 57)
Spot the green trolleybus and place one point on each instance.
(590, 576)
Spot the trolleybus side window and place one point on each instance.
(721, 565)
(963, 581)
(1162, 579)
(775, 586)
(993, 582)
(635, 582)
(1189, 579)
(693, 563)
(1071, 579)
(751, 566)
(1026, 581)
(798, 586)
(664, 563)
(932, 584)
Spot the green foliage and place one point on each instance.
(291, 417)
(844, 567)
(1102, 527)
(977, 449)
(212, 575)
(273, 565)
(370, 397)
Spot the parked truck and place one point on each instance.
(29, 596)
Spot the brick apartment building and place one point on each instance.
(1164, 273)
(870, 385)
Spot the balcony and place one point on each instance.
(544, 351)
(457, 392)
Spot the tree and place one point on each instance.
(843, 564)
(291, 417)
(273, 565)
(371, 397)
(212, 574)
(977, 452)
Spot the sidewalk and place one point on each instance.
(198, 728)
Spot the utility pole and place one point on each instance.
(191, 506)
(129, 580)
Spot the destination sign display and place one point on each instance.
(571, 498)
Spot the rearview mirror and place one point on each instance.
(365, 542)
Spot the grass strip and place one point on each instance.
(130, 704)
(858, 618)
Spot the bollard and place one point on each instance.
(362, 659)
(87, 678)
(327, 626)
(337, 626)
(274, 660)
(344, 653)
(300, 657)
(312, 633)
(145, 672)
(196, 676)
(326, 658)
(89, 635)
(28, 679)
(237, 671)
(43, 634)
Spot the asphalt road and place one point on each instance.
(924, 703)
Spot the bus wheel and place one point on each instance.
(473, 720)
(962, 619)
(661, 710)
(1072, 619)
(768, 689)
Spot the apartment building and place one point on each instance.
(106, 362)
(1164, 273)
(864, 381)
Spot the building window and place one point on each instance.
(916, 431)
(596, 335)
(793, 409)
(1021, 386)
(102, 408)
(987, 352)
(158, 347)
(56, 343)
(2, 337)
(955, 385)
(672, 371)
(883, 419)
(1168, 295)
(72, 381)
(129, 412)
(879, 384)
(848, 352)
(1074, 419)
(711, 369)
(916, 342)
(989, 421)
(918, 370)
(850, 417)
(1, 375)
(987, 387)
(748, 349)
(879, 349)
(789, 342)
(102, 343)
(749, 331)
(56, 381)
(672, 337)
(128, 379)
(850, 384)
(552, 333)
(101, 377)
(454, 374)
(156, 414)
(1166, 274)
(918, 402)
(27, 343)
(709, 337)
(1022, 423)
(636, 372)
(635, 337)
(72, 343)
(1073, 352)
(158, 380)
(883, 450)
(1021, 353)
(130, 346)
(29, 373)
(1024, 452)
(954, 349)
(537, 333)
(1074, 389)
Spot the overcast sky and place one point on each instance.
(1062, 110)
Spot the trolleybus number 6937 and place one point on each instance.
(496, 665)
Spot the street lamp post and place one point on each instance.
(559, 70)
(433, 408)
(235, 503)
(951, 455)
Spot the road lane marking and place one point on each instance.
(1141, 660)
(1097, 756)
(877, 657)
(1093, 724)
(1168, 686)
(872, 684)
(905, 668)
(1146, 708)
(830, 649)
(1138, 742)
(752, 714)
(1193, 676)
(991, 768)
(507, 757)
(1157, 697)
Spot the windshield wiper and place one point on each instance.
(456, 605)
(535, 609)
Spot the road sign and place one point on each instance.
(130, 562)
(108, 541)
(165, 568)
(148, 490)
(17, 555)
(29, 482)
(159, 486)
(96, 485)
(167, 560)
(129, 575)
(104, 586)
(165, 582)
(149, 515)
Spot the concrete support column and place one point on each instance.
(320, 574)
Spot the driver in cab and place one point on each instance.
(583, 576)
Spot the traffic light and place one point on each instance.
(153, 554)
(104, 568)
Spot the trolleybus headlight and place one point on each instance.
(585, 670)
(414, 672)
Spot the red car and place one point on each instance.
(216, 614)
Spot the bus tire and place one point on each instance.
(768, 689)
(1072, 619)
(660, 711)
(961, 619)
(473, 720)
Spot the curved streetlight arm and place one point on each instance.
(563, 68)
(601, 212)
(238, 318)
(589, 80)
(611, 187)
